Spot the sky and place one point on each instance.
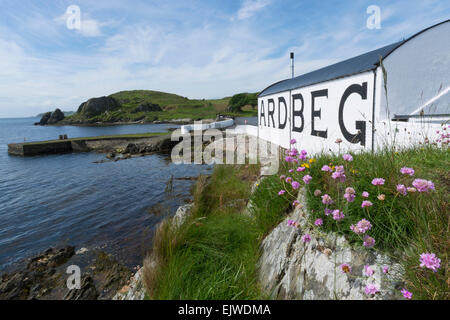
(197, 49)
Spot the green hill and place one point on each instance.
(149, 106)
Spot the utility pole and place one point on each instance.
(292, 64)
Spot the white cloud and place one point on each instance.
(250, 7)
(90, 28)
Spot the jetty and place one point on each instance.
(86, 144)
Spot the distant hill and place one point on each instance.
(148, 106)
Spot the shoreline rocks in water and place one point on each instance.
(44, 277)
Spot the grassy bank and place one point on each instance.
(214, 254)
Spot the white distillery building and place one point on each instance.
(400, 90)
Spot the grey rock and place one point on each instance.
(292, 269)
(56, 116)
(96, 106)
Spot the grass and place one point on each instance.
(173, 107)
(107, 137)
(214, 254)
(403, 226)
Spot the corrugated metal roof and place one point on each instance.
(365, 62)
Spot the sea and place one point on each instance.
(68, 199)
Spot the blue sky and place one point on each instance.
(198, 49)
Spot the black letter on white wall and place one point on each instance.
(360, 136)
(316, 113)
(262, 114)
(271, 112)
(297, 113)
(281, 100)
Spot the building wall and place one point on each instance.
(317, 121)
(417, 72)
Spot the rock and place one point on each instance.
(110, 275)
(134, 291)
(147, 107)
(111, 156)
(56, 116)
(39, 276)
(292, 269)
(96, 106)
(182, 213)
(87, 290)
(82, 250)
(44, 119)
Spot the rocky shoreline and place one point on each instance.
(45, 275)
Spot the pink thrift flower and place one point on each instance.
(301, 169)
(282, 177)
(306, 238)
(328, 211)
(288, 159)
(295, 185)
(338, 215)
(307, 179)
(295, 203)
(326, 168)
(291, 170)
(385, 269)
(326, 199)
(365, 194)
(371, 289)
(366, 203)
(405, 170)
(350, 197)
(317, 192)
(281, 192)
(293, 141)
(347, 157)
(378, 181)
(361, 227)
(288, 180)
(401, 189)
(381, 197)
(350, 190)
(368, 271)
(369, 242)
(346, 268)
(423, 185)
(430, 261)
(318, 222)
(406, 294)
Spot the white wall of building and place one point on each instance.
(319, 133)
(417, 72)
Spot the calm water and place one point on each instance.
(68, 199)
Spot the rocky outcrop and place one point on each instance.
(147, 107)
(51, 117)
(96, 106)
(56, 116)
(292, 269)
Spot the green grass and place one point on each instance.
(174, 107)
(215, 253)
(107, 137)
(403, 226)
